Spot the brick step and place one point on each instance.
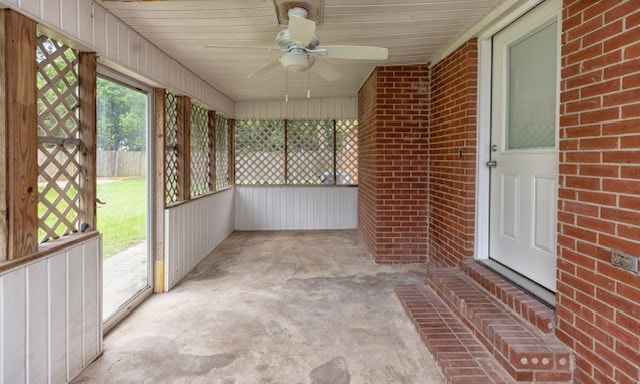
(460, 356)
(523, 351)
(529, 308)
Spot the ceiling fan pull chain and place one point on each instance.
(286, 86)
(308, 85)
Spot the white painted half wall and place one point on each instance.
(193, 230)
(338, 108)
(295, 207)
(91, 25)
(50, 315)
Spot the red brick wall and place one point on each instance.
(393, 104)
(452, 163)
(599, 206)
(367, 163)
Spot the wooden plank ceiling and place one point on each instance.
(413, 30)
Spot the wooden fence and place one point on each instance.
(111, 163)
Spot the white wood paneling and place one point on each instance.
(121, 47)
(295, 207)
(338, 108)
(50, 317)
(69, 20)
(37, 359)
(193, 230)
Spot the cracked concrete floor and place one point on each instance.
(274, 307)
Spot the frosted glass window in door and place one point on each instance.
(532, 63)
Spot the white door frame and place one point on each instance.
(483, 139)
(128, 306)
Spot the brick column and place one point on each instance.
(392, 156)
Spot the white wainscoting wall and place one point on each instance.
(338, 108)
(193, 230)
(296, 207)
(89, 24)
(50, 316)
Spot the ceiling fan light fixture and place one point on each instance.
(297, 61)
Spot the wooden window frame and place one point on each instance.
(19, 145)
(183, 124)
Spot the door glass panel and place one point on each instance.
(532, 90)
(122, 192)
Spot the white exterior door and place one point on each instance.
(524, 145)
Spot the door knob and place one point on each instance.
(491, 163)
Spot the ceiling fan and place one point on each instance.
(299, 44)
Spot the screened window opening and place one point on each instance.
(171, 148)
(347, 152)
(301, 152)
(259, 151)
(310, 148)
(200, 150)
(222, 152)
(58, 139)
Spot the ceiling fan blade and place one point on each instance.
(264, 69)
(325, 70)
(301, 30)
(244, 48)
(356, 52)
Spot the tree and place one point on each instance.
(121, 117)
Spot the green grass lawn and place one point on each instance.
(122, 221)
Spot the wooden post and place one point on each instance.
(4, 209)
(231, 148)
(186, 161)
(335, 149)
(183, 123)
(87, 71)
(19, 132)
(212, 151)
(286, 151)
(159, 182)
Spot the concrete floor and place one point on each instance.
(274, 307)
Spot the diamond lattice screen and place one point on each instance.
(200, 147)
(310, 152)
(171, 148)
(58, 139)
(222, 150)
(259, 151)
(347, 152)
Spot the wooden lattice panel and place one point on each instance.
(171, 148)
(222, 150)
(58, 137)
(259, 152)
(347, 152)
(200, 150)
(310, 152)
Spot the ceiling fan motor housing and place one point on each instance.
(284, 41)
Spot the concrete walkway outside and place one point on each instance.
(274, 307)
(124, 275)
